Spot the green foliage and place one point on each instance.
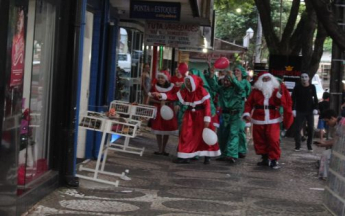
(327, 46)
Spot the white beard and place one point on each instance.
(267, 88)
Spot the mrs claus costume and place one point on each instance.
(159, 125)
(198, 112)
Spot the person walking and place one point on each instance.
(230, 102)
(195, 119)
(262, 109)
(146, 83)
(305, 106)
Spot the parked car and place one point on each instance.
(124, 61)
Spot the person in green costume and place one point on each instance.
(231, 102)
(241, 76)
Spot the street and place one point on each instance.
(160, 187)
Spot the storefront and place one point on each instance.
(40, 66)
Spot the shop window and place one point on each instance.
(129, 64)
(34, 156)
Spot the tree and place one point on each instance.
(296, 37)
(326, 12)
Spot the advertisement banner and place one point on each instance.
(212, 56)
(173, 35)
(18, 50)
(287, 68)
(155, 10)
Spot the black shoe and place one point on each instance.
(181, 161)
(195, 158)
(157, 153)
(274, 164)
(264, 161)
(165, 153)
(241, 155)
(207, 160)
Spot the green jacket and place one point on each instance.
(230, 98)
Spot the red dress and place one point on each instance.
(191, 143)
(159, 125)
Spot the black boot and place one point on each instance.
(264, 161)
(241, 155)
(207, 160)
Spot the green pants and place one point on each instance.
(243, 139)
(229, 136)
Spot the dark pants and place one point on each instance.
(299, 120)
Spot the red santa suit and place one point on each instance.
(266, 117)
(191, 143)
(161, 126)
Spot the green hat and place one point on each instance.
(243, 71)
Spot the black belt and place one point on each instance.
(197, 107)
(231, 112)
(265, 107)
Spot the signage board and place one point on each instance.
(155, 10)
(212, 56)
(173, 34)
(287, 68)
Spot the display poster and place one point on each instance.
(155, 10)
(18, 49)
(212, 56)
(287, 68)
(173, 35)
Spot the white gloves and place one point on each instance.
(294, 113)
(315, 112)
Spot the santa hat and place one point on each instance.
(165, 74)
(262, 73)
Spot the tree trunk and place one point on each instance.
(325, 12)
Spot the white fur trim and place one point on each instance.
(245, 114)
(216, 125)
(161, 74)
(207, 118)
(194, 103)
(191, 82)
(164, 96)
(161, 89)
(267, 111)
(271, 121)
(279, 95)
(198, 153)
(248, 124)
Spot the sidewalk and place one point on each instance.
(160, 187)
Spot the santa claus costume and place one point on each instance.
(195, 119)
(264, 103)
(159, 126)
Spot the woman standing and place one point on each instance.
(161, 127)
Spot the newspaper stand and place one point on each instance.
(135, 113)
(98, 122)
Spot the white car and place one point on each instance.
(124, 61)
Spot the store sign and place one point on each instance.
(173, 35)
(155, 10)
(210, 56)
(287, 68)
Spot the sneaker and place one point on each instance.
(297, 149)
(274, 164)
(310, 150)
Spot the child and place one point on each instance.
(323, 105)
(195, 119)
(163, 128)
